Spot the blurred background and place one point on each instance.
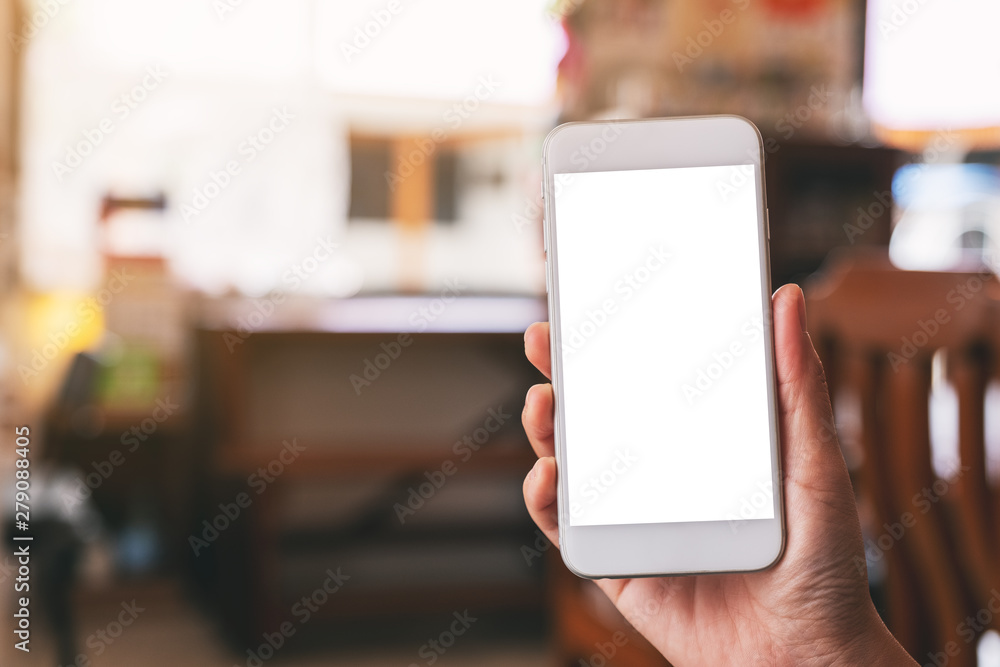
(265, 269)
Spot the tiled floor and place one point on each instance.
(166, 631)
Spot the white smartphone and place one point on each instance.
(659, 296)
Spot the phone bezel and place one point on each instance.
(641, 550)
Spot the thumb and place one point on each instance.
(809, 438)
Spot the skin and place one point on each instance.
(813, 606)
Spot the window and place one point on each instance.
(245, 116)
(370, 194)
(401, 179)
(446, 186)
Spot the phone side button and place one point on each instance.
(546, 274)
(767, 222)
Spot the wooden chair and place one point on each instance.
(886, 337)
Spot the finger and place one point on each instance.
(808, 434)
(536, 347)
(538, 419)
(540, 497)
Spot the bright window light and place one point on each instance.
(439, 48)
(932, 64)
(222, 70)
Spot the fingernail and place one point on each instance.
(800, 306)
(529, 397)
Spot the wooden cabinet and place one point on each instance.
(393, 458)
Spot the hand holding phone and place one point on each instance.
(813, 606)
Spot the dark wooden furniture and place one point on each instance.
(887, 337)
(822, 197)
(407, 472)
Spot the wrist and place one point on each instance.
(875, 646)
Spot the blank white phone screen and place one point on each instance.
(665, 394)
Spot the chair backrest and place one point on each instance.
(889, 340)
